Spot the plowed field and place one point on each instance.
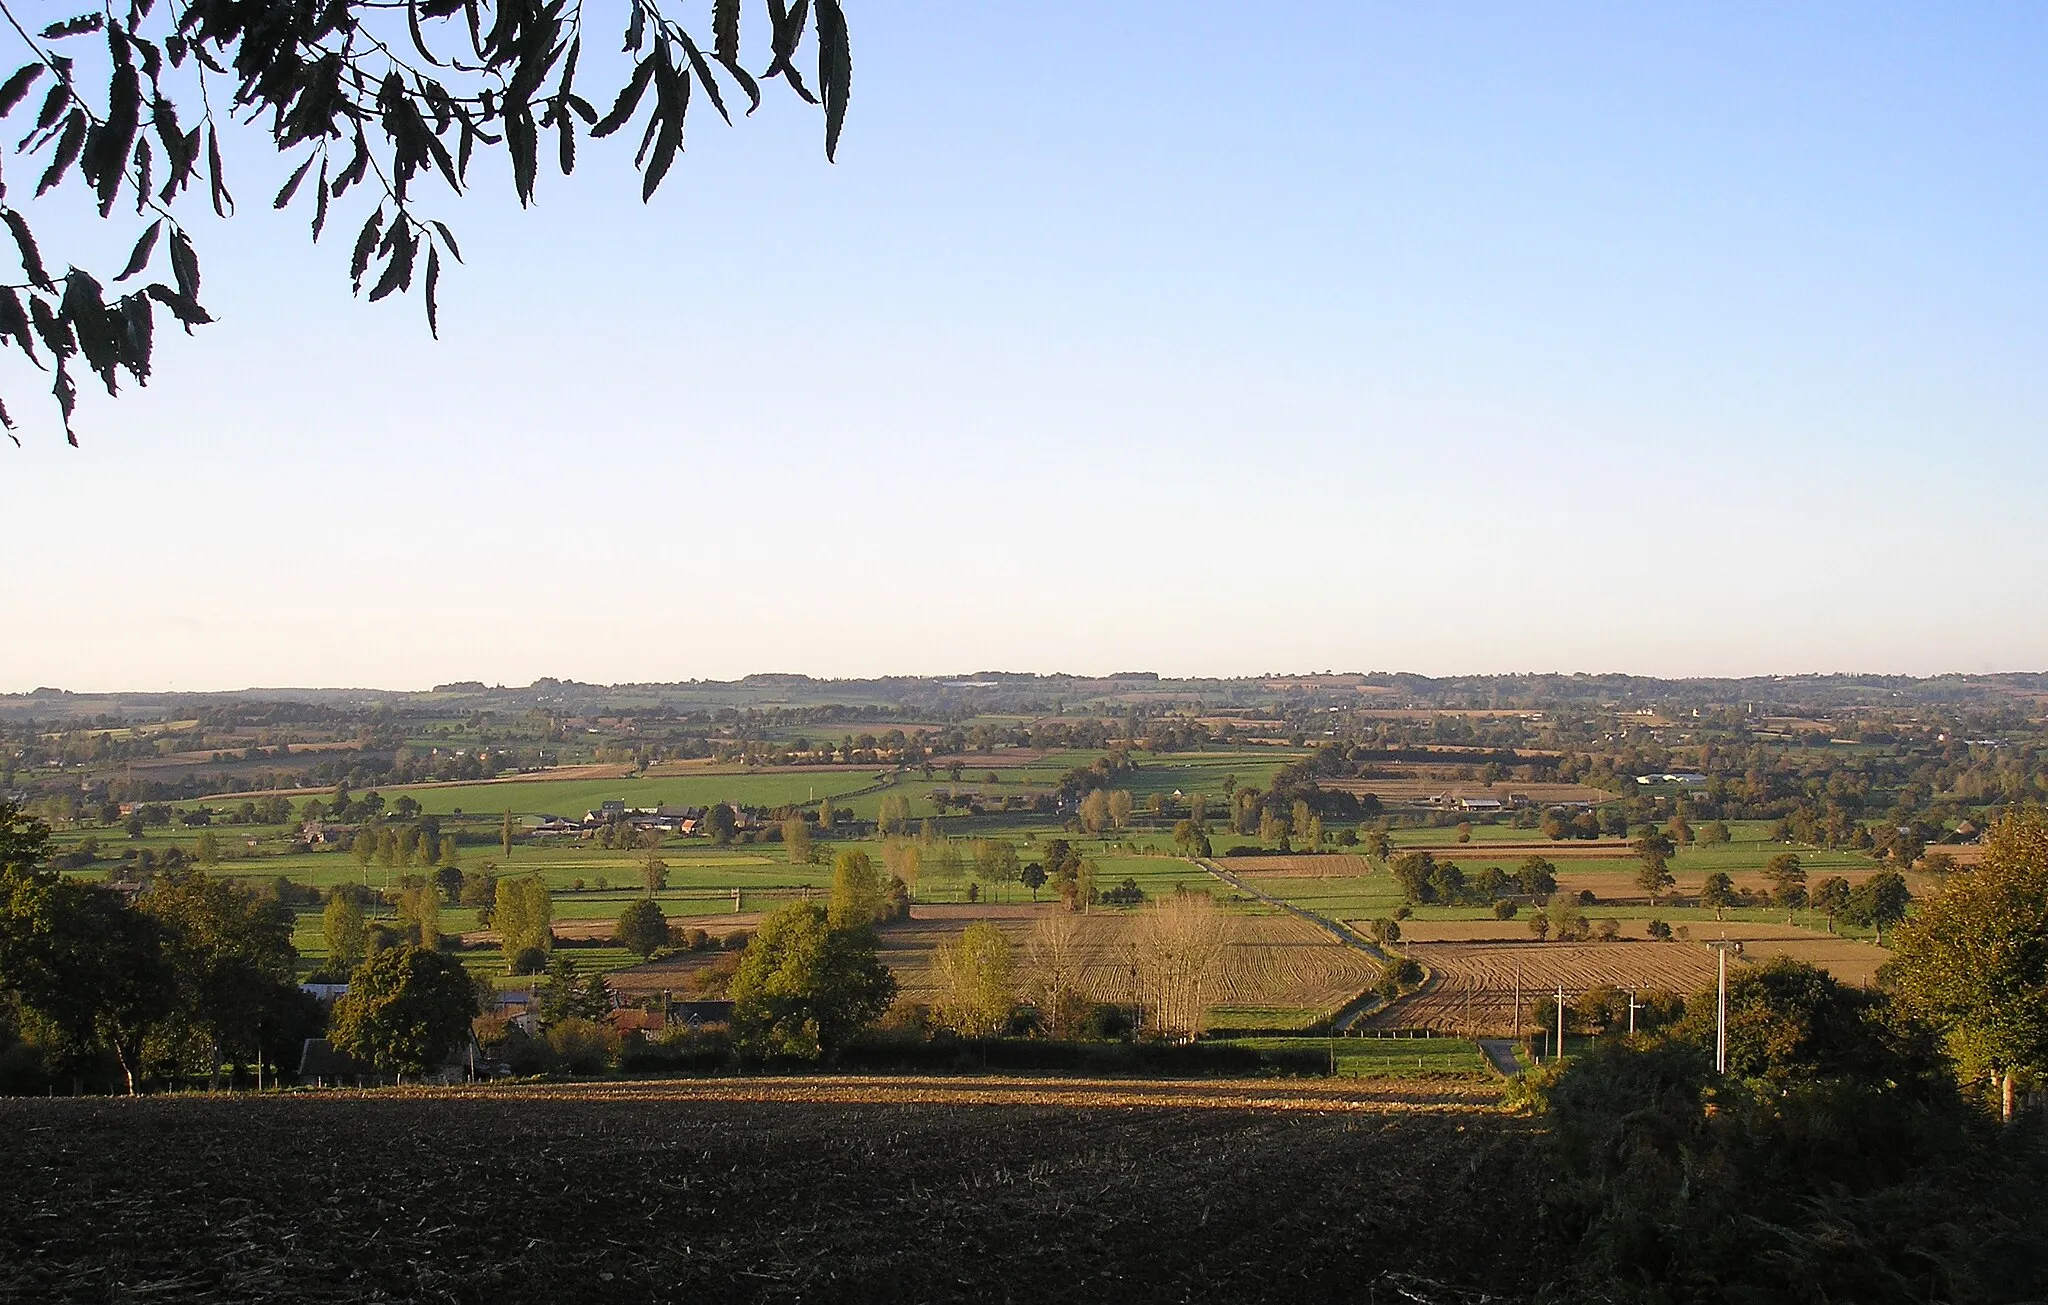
(632, 1196)
(1473, 986)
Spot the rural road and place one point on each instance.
(1360, 1005)
(1500, 1053)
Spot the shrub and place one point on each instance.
(582, 1046)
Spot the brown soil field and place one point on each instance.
(1847, 959)
(1267, 960)
(1473, 986)
(815, 1190)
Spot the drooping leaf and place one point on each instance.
(835, 70)
(185, 264)
(448, 238)
(291, 187)
(14, 324)
(433, 286)
(628, 101)
(139, 258)
(16, 88)
(366, 244)
(68, 147)
(25, 241)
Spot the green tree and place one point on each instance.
(653, 873)
(976, 975)
(1536, 877)
(363, 847)
(805, 988)
(721, 822)
(505, 830)
(856, 899)
(346, 934)
(406, 1009)
(78, 957)
(563, 994)
(232, 961)
(1788, 880)
(1717, 893)
(893, 816)
(1119, 809)
(206, 848)
(642, 927)
(419, 912)
(522, 913)
(1094, 812)
(796, 840)
(1831, 895)
(1974, 961)
(1878, 902)
(1712, 834)
(996, 863)
(1653, 875)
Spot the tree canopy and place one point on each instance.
(804, 988)
(406, 1009)
(375, 102)
(1974, 961)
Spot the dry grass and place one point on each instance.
(1328, 866)
(1476, 967)
(1266, 960)
(1473, 986)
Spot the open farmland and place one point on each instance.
(1473, 986)
(1421, 788)
(812, 1190)
(1274, 970)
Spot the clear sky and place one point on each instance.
(1191, 337)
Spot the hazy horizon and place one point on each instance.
(1124, 672)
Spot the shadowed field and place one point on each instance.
(769, 1190)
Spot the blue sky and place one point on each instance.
(1201, 338)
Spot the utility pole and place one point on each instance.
(1631, 1012)
(1560, 1021)
(1721, 949)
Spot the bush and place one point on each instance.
(1835, 1162)
(530, 960)
(678, 1051)
(581, 1046)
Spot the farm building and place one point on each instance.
(1685, 779)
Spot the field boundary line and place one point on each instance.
(1358, 1007)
